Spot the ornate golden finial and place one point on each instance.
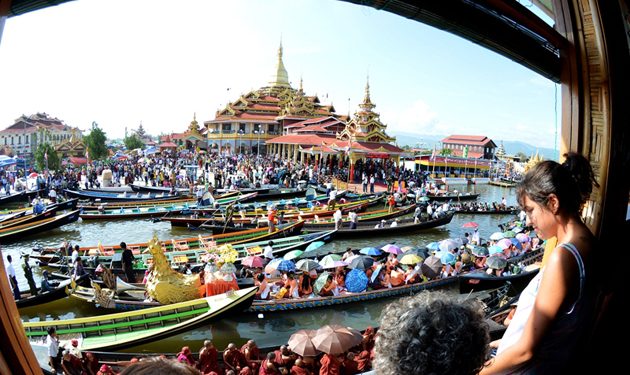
(301, 90)
(281, 77)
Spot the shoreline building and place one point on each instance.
(358, 143)
(471, 156)
(28, 132)
(192, 139)
(245, 124)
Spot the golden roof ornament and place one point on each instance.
(281, 77)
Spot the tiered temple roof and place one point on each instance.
(276, 103)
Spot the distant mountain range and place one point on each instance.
(511, 147)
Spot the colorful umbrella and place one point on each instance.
(424, 199)
(495, 249)
(315, 245)
(272, 266)
(293, 254)
(433, 246)
(336, 339)
(523, 237)
(330, 258)
(307, 265)
(496, 262)
(406, 248)
(334, 264)
(448, 245)
(480, 251)
(371, 251)
(361, 262)
(286, 265)
(301, 344)
(470, 224)
(410, 259)
(392, 249)
(321, 280)
(509, 234)
(375, 273)
(356, 281)
(446, 257)
(496, 236)
(504, 243)
(253, 261)
(516, 243)
(431, 267)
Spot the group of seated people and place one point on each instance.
(246, 360)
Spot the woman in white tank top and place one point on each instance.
(554, 308)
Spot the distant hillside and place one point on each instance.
(511, 147)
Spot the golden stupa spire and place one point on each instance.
(281, 77)
(367, 102)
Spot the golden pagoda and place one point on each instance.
(246, 123)
(535, 159)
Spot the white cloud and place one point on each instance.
(417, 118)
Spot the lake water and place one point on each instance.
(273, 328)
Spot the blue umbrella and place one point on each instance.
(356, 281)
(433, 246)
(286, 265)
(315, 245)
(376, 272)
(516, 243)
(446, 257)
(495, 249)
(372, 251)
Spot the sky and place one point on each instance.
(125, 62)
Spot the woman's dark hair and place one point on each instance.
(306, 282)
(158, 366)
(571, 181)
(260, 277)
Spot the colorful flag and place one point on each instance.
(432, 158)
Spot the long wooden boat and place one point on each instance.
(507, 211)
(453, 197)
(58, 291)
(282, 245)
(368, 229)
(281, 204)
(370, 216)
(135, 204)
(49, 211)
(132, 328)
(21, 231)
(22, 196)
(480, 280)
(118, 197)
(13, 215)
(501, 183)
(158, 189)
(285, 304)
(199, 242)
(137, 212)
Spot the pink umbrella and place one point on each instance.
(336, 339)
(334, 264)
(470, 224)
(392, 249)
(33, 175)
(504, 243)
(253, 261)
(523, 237)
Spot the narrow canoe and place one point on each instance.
(508, 211)
(368, 229)
(21, 231)
(57, 292)
(453, 197)
(370, 216)
(137, 212)
(31, 218)
(132, 328)
(118, 197)
(198, 242)
(22, 196)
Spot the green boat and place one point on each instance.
(132, 328)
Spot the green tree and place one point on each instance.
(446, 152)
(95, 142)
(140, 132)
(43, 150)
(132, 142)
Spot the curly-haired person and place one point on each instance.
(431, 333)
